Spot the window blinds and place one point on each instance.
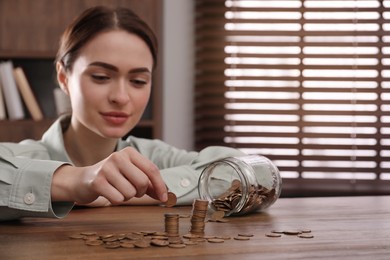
(305, 83)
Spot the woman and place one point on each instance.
(105, 64)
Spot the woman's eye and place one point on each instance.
(98, 77)
(138, 82)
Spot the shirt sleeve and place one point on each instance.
(25, 183)
(181, 169)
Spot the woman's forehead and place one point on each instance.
(118, 46)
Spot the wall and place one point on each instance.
(178, 67)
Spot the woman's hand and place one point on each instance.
(118, 178)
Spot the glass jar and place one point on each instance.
(240, 185)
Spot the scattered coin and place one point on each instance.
(292, 232)
(127, 245)
(76, 236)
(217, 215)
(158, 242)
(94, 242)
(142, 243)
(245, 235)
(89, 233)
(112, 245)
(177, 245)
(216, 240)
(190, 242)
(273, 235)
(241, 238)
(305, 236)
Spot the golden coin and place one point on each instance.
(245, 235)
(171, 200)
(292, 232)
(190, 242)
(76, 236)
(217, 215)
(142, 243)
(88, 233)
(158, 242)
(177, 245)
(94, 242)
(113, 245)
(305, 236)
(224, 237)
(241, 238)
(273, 235)
(127, 244)
(190, 236)
(216, 240)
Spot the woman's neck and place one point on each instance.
(85, 147)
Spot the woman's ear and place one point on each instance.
(62, 77)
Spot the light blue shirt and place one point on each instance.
(26, 171)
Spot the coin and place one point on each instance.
(171, 200)
(273, 235)
(142, 243)
(94, 242)
(158, 242)
(217, 215)
(292, 232)
(305, 236)
(245, 235)
(76, 236)
(177, 245)
(216, 240)
(241, 238)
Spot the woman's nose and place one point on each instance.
(119, 93)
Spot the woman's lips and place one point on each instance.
(116, 118)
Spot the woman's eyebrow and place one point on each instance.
(104, 65)
(140, 70)
(113, 68)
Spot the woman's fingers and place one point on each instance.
(127, 174)
(155, 187)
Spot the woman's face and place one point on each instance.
(110, 83)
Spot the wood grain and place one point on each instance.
(343, 228)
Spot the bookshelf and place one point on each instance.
(29, 33)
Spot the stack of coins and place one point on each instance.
(172, 224)
(198, 217)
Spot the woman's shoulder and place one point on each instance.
(26, 148)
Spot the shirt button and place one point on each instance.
(29, 198)
(185, 183)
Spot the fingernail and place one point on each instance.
(164, 197)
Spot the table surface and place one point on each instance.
(343, 228)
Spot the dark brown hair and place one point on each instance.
(100, 19)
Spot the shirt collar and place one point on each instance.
(54, 141)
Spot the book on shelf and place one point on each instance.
(27, 94)
(3, 113)
(11, 95)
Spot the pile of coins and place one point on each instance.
(145, 239)
(171, 237)
(198, 217)
(257, 197)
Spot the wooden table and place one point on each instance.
(343, 228)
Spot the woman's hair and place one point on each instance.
(101, 19)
